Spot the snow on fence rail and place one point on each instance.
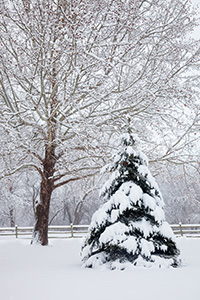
(78, 231)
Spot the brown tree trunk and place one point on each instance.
(40, 231)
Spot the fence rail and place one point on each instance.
(187, 230)
(61, 231)
(78, 231)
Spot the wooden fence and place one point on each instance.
(187, 230)
(62, 231)
(78, 231)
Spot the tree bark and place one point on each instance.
(40, 231)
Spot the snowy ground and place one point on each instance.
(55, 273)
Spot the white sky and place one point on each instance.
(196, 1)
(197, 31)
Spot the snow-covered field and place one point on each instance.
(55, 273)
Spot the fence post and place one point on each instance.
(72, 232)
(181, 229)
(16, 231)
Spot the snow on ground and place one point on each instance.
(55, 273)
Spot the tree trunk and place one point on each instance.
(11, 215)
(40, 231)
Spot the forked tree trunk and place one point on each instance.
(40, 231)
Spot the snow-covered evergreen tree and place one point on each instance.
(130, 228)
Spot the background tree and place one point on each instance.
(17, 196)
(75, 202)
(182, 196)
(130, 226)
(70, 70)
